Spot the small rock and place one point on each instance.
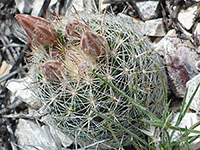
(154, 27)
(4, 68)
(103, 5)
(21, 88)
(20, 5)
(24, 6)
(159, 46)
(198, 49)
(32, 136)
(186, 17)
(196, 34)
(188, 120)
(198, 65)
(133, 22)
(191, 85)
(37, 6)
(78, 5)
(148, 9)
(89, 5)
(181, 60)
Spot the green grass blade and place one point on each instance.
(151, 115)
(179, 141)
(165, 113)
(184, 134)
(168, 144)
(182, 111)
(137, 147)
(161, 124)
(114, 136)
(195, 125)
(187, 139)
(163, 85)
(152, 122)
(180, 114)
(184, 130)
(120, 126)
(190, 101)
(193, 138)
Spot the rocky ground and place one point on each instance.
(171, 25)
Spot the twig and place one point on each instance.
(12, 137)
(16, 103)
(9, 75)
(122, 1)
(26, 116)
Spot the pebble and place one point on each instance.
(154, 27)
(180, 59)
(148, 9)
(191, 85)
(160, 46)
(37, 5)
(196, 35)
(188, 120)
(186, 17)
(135, 23)
(40, 137)
(21, 88)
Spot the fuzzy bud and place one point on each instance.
(52, 69)
(93, 45)
(75, 63)
(39, 30)
(74, 30)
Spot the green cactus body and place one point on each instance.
(114, 50)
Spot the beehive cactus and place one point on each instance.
(104, 44)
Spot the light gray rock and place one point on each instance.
(186, 17)
(198, 49)
(154, 27)
(31, 136)
(88, 6)
(133, 22)
(103, 4)
(77, 4)
(148, 9)
(33, 6)
(198, 65)
(188, 120)
(197, 37)
(36, 8)
(20, 5)
(191, 85)
(180, 58)
(160, 46)
(21, 88)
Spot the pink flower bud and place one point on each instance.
(93, 45)
(39, 30)
(51, 70)
(74, 30)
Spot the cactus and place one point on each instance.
(104, 44)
